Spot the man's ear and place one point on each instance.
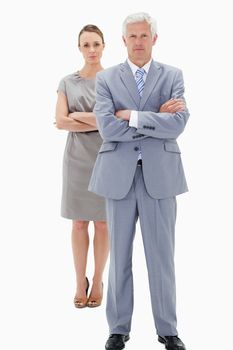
(123, 38)
(154, 39)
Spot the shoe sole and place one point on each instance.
(126, 339)
(80, 307)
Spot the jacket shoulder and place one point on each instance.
(168, 68)
(109, 72)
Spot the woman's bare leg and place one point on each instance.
(80, 245)
(101, 250)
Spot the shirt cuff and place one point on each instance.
(133, 121)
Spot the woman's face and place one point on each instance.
(91, 47)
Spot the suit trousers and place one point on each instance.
(157, 221)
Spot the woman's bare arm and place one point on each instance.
(64, 122)
(84, 117)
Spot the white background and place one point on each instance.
(38, 47)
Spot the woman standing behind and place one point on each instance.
(75, 103)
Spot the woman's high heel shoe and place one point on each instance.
(95, 302)
(80, 303)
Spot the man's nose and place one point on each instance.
(138, 41)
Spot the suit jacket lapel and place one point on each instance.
(151, 80)
(129, 82)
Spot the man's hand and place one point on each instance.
(172, 106)
(123, 114)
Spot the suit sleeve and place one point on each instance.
(165, 125)
(110, 127)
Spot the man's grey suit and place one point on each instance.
(147, 192)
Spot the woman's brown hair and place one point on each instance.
(92, 29)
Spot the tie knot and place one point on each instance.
(139, 73)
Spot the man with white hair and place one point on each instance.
(140, 111)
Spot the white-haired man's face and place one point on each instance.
(139, 42)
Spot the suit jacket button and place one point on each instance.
(136, 148)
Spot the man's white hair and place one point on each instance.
(140, 17)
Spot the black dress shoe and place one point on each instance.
(116, 341)
(172, 342)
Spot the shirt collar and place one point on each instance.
(134, 68)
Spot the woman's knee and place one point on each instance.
(100, 225)
(80, 224)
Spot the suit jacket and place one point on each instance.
(155, 136)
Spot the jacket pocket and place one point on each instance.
(108, 146)
(171, 147)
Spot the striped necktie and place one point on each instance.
(139, 80)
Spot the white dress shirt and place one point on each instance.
(133, 121)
